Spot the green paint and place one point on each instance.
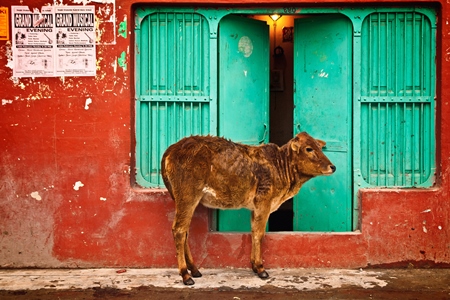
(123, 29)
(243, 90)
(322, 107)
(122, 61)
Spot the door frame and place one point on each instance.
(357, 16)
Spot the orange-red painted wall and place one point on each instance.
(50, 140)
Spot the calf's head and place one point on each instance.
(308, 157)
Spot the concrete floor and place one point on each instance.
(230, 283)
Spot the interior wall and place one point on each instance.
(281, 102)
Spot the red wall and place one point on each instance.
(49, 141)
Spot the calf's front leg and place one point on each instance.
(259, 221)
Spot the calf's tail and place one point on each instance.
(164, 175)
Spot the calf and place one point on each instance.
(221, 174)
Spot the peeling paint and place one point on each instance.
(323, 74)
(6, 101)
(9, 55)
(102, 198)
(36, 196)
(105, 19)
(123, 28)
(86, 105)
(77, 185)
(245, 46)
(85, 2)
(122, 61)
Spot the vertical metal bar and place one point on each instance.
(388, 69)
(421, 144)
(200, 60)
(175, 62)
(413, 144)
(200, 117)
(158, 49)
(396, 145)
(192, 54)
(168, 128)
(150, 141)
(166, 56)
(184, 59)
(157, 138)
(369, 140)
(405, 60)
(386, 146)
(149, 58)
(403, 165)
(395, 66)
(379, 55)
(422, 56)
(176, 118)
(193, 129)
(378, 152)
(369, 58)
(183, 118)
(413, 50)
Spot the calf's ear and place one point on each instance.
(321, 143)
(296, 144)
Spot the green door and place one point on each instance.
(243, 94)
(323, 98)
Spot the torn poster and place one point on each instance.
(32, 41)
(56, 41)
(75, 40)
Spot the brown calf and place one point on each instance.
(221, 174)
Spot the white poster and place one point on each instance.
(56, 41)
(33, 41)
(75, 40)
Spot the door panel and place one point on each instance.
(322, 99)
(243, 94)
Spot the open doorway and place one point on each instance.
(281, 100)
(315, 51)
(260, 41)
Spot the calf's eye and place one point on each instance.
(309, 149)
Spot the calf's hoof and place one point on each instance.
(263, 275)
(188, 281)
(196, 274)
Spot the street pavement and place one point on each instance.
(317, 283)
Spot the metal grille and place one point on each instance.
(397, 99)
(162, 124)
(173, 90)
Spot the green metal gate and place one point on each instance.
(172, 86)
(397, 100)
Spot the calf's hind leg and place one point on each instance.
(180, 228)
(190, 260)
